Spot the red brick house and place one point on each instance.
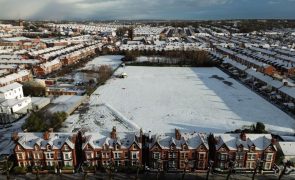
(179, 152)
(122, 149)
(47, 149)
(244, 151)
(48, 67)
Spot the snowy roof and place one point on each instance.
(56, 140)
(12, 102)
(51, 63)
(232, 141)
(265, 78)
(97, 140)
(290, 91)
(235, 64)
(192, 140)
(288, 148)
(14, 76)
(9, 87)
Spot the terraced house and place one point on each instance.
(45, 149)
(122, 149)
(179, 152)
(244, 151)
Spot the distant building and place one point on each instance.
(20, 76)
(13, 104)
(287, 150)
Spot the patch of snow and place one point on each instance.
(191, 99)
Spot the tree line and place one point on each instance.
(182, 58)
(42, 121)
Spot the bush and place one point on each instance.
(50, 168)
(19, 170)
(68, 168)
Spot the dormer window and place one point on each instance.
(36, 147)
(48, 147)
(66, 147)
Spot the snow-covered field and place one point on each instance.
(110, 60)
(191, 99)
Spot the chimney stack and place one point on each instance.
(243, 136)
(50, 130)
(15, 137)
(177, 134)
(46, 135)
(273, 141)
(114, 133)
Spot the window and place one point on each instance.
(250, 165)
(37, 155)
(182, 164)
(239, 156)
(49, 155)
(221, 165)
(117, 155)
(66, 147)
(269, 156)
(49, 163)
(97, 154)
(223, 157)
(251, 156)
(184, 155)
(267, 166)
(58, 155)
(105, 155)
(239, 165)
(20, 156)
(117, 163)
(201, 164)
(29, 155)
(89, 155)
(172, 164)
(157, 155)
(134, 155)
(67, 156)
(201, 156)
(126, 155)
(172, 155)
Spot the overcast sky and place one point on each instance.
(146, 9)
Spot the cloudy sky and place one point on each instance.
(146, 9)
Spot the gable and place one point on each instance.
(134, 146)
(18, 147)
(88, 147)
(270, 148)
(223, 148)
(202, 147)
(156, 147)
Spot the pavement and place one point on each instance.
(146, 176)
